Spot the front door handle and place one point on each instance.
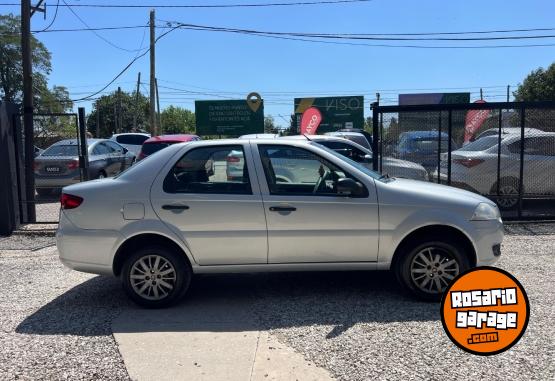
(175, 207)
(282, 208)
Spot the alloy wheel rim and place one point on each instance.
(433, 269)
(507, 190)
(152, 277)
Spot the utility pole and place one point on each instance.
(158, 106)
(152, 116)
(508, 92)
(28, 108)
(481, 94)
(97, 135)
(119, 111)
(136, 103)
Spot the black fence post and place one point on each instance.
(380, 152)
(375, 135)
(83, 154)
(449, 145)
(439, 149)
(499, 154)
(521, 180)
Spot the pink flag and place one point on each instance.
(474, 120)
(310, 121)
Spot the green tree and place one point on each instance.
(539, 85)
(11, 66)
(270, 125)
(105, 111)
(177, 120)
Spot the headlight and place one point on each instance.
(485, 212)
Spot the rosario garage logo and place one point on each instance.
(485, 311)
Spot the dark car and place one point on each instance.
(156, 143)
(58, 165)
(422, 147)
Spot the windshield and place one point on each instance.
(481, 144)
(360, 167)
(61, 150)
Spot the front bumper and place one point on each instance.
(488, 238)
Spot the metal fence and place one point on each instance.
(504, 151)
(53, 167)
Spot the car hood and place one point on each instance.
(405, 191)
(391, 161)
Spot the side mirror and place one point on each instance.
(349, 187)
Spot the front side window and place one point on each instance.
(212, 170)
(296, 171)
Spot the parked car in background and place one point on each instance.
(355, 136)
(422, 147)
(58, 165)
(156, 143)
(164, 220)
(345, 147)
(474, 167)
(133, 141)
(506, 131)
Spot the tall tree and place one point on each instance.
(11, 69)
(177, 120)
(105, 111)
(270, 125)
(539, 85)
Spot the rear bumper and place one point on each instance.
(86, 250)
(56, 181)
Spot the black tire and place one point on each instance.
(182, 269)
(43, 192)
(408, 263)
(507, 186)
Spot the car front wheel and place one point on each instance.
(156, 276)
(429, 267)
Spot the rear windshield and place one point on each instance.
(61, 150)
(481, 144)
(131, 139)
(150, 148)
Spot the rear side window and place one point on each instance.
(131, 139)
(210, 170)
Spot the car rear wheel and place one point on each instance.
(429, 267)
(156, 277)
(507, 188)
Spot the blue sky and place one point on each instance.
(210, 62)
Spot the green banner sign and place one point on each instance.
(337, 112)
(229, 117)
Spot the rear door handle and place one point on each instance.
(282, 208)
(175, 207)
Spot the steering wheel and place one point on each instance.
(321, 181)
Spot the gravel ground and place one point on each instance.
(55, 323)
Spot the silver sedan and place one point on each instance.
(168, 217)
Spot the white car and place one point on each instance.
(506, 131)
(166, 218)
(132, 141)
(474, 167)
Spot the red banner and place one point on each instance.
(310, 121)
(474, 120)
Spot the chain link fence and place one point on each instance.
(504, 151)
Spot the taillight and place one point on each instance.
(233, 159)
(468, 162)
(69, 201)
(74, 164)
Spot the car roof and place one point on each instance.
(131, 133)
(171, 138)
(345, 133)
(69, 142)
(258, 136)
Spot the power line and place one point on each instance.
(53, 19)
(97, 34)
(204, 6)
